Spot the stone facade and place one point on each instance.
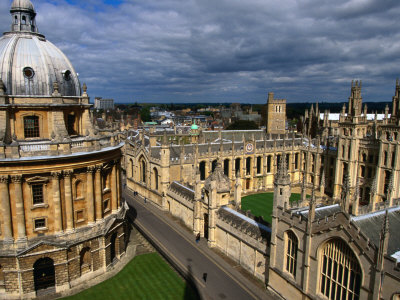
(62, 216)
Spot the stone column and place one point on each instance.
(19, 204)
(69, 209)
(90, 199)
(58, 219)
(114, 188)
(6, 210)
(98, 192)
(119, 183)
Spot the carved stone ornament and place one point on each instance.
(4, 179)
(16, 178)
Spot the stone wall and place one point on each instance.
(243, 240)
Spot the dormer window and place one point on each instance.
(67, 75)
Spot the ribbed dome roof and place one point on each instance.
(29, 64)
(22, 5)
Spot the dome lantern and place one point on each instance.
(23, 16)
(31, 64)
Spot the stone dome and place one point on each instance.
(30, 64)
(22, 5)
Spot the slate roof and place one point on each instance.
(240, 223)
(182, 190)
(321, 212)
(371, 225)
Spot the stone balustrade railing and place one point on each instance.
(49, 148)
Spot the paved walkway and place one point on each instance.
(213, 277)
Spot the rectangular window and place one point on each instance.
(40, 224)
(37, 194)
(80, 216)
(31, 127)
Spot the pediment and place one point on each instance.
(42, 246)
(37, 179)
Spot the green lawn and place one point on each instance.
(147, 276)
(261, 204)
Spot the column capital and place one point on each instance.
(68, 173)
(4, 179)
(16, 178)
(91, 169)
(56, 175)
(99, 168)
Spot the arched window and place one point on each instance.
(269, 164)
(143, 171)
(23, 20)
(15, 20)
(202, 168)
(340, 275)
(132, 172)
(237, 166)
(226, 167)
(292, 245)
(155, 178)
(248, 166)
(31, 127)
(258, 164)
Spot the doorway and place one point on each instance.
(206, 226)
(44, 274)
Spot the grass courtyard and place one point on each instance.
(261, 204)
(146, 276)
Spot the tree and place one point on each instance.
(145, 114)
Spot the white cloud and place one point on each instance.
(226, 50)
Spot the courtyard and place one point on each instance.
(261, 204)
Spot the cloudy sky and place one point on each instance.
(226, 50)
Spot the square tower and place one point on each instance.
(276, 115)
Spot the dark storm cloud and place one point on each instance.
(226, 50)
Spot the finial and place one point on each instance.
(84, 88)
(55, 88)
(360, 84)
(397, 82)
(385, 224)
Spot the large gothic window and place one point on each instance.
(340, 275)
(31, 127)
(292, 245)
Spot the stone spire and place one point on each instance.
(282, 177)
(383, 242)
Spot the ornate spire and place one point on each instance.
(282, 176)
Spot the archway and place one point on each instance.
(113, 246)
(85, 260)
(44, 275)
(206, 226)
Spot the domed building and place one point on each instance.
(62, 220)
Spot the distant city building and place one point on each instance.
(100, 103)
